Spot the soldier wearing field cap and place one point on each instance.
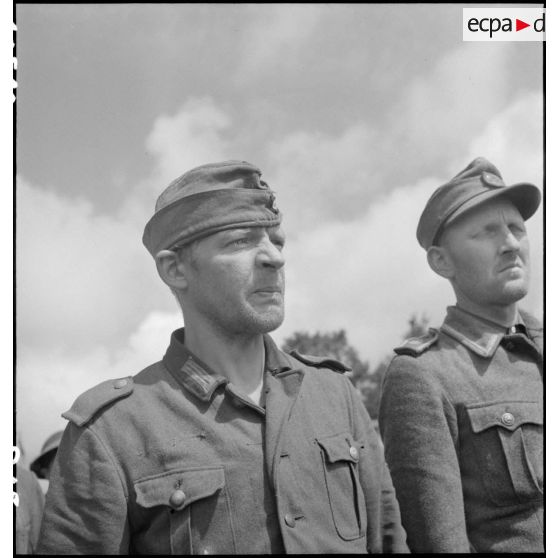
(42, 465)
(228, 445)
(461, 408)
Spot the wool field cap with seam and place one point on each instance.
(51, 444)
(479, 182)
(209, 199)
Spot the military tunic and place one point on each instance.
(29, 511)
(177, 461)
(461, 417)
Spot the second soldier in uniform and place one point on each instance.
(461, 409)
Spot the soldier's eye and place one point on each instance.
(239, 242)
(490, 231)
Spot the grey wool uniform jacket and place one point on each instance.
(175, 461)
(461, 416)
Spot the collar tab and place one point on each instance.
(477, 334)
(198, 380)
(191, 372)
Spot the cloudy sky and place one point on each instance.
(354, 113)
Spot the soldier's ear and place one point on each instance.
(440, 261)
(171, 269)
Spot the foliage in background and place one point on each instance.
(336, 345)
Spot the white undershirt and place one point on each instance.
(257, 393)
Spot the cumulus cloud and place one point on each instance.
(198, 132)
(193, 136)
(335, 175)
(367, 276)
(435, 118)
(80, 276)
(82, 280)
(514, 138)
(324, 177)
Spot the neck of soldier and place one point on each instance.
(503, 314)
(238, 357)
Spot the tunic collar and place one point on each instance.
(478, 334)
(199, 378)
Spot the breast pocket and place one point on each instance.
(195, 503)
(340, 456)
(507, 437)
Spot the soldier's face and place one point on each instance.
(236, 279)
(488, 252)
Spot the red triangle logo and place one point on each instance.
(519, 25)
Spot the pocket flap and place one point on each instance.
(340, 447)
(505, 414)
(194, 484)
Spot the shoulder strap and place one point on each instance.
(416, 346)
(321, 362)
(98, 397)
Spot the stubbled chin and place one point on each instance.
(270, 321)
(515, 290)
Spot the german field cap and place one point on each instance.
(49, 447)
(479, 182)
(209, 199)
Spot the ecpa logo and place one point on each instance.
(503, 24)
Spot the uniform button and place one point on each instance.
(508, 419)
(290, 520)
(119, 384)
(354, 452)
(177, 498)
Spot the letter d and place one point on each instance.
(539, 28)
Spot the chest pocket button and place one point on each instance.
(353, 452)
(177, 498)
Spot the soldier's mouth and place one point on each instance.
(270, 289)
(511, 267)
